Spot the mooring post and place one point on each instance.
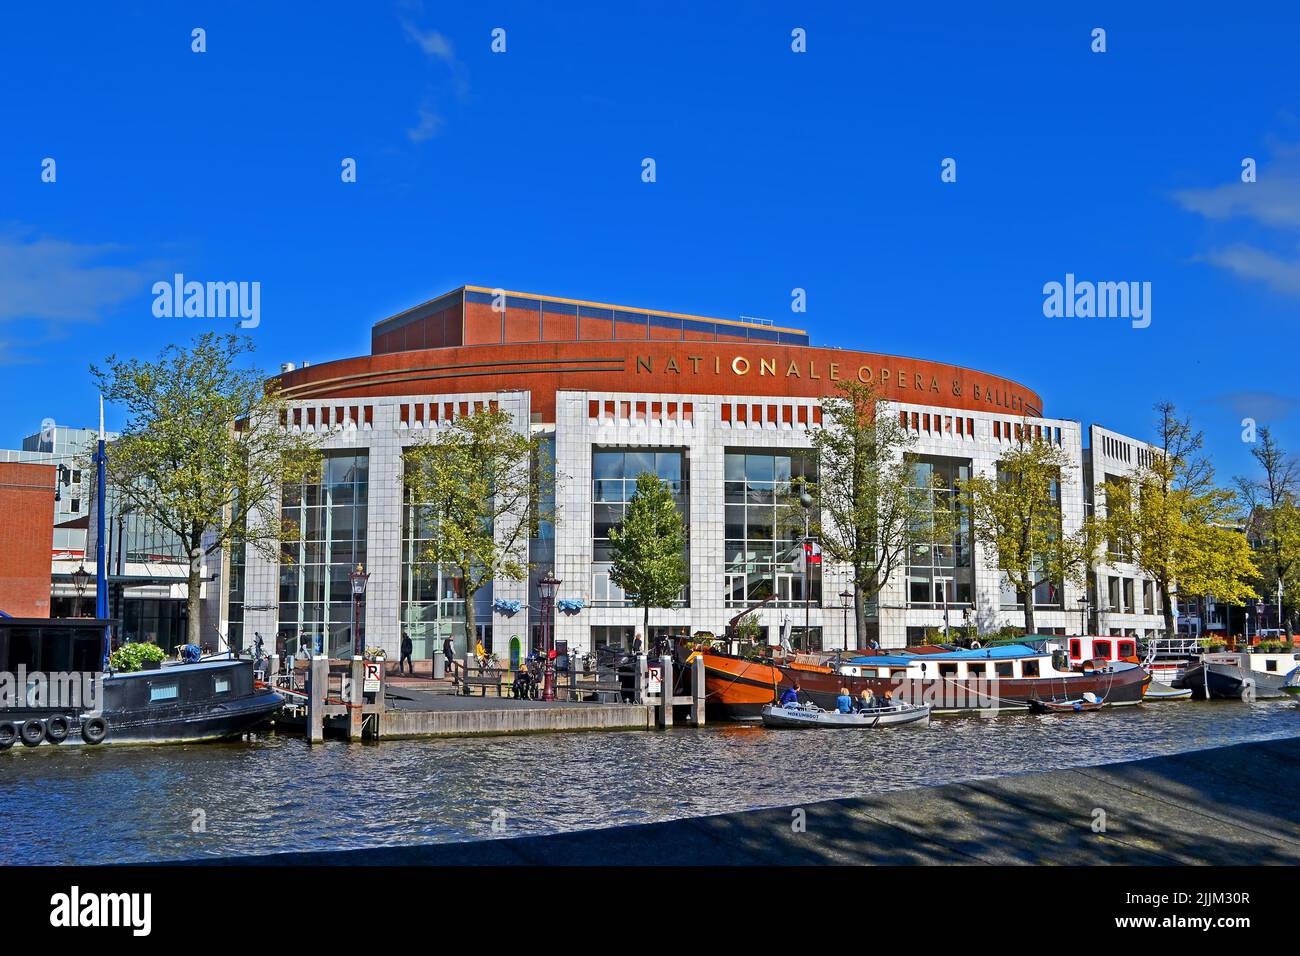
(666, 690)
(356, 700)
(640, 689)
(318, 669)
(697, 690)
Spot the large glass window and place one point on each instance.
(764, 527)
(940, 573)
(329, 510)
(613, 483)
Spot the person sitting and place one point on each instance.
(867, 700)
(790, 696)
(890, 702)
(844, 703)
(480, 652)
(521, 689)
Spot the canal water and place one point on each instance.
(134, 804)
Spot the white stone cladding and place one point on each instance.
(703, 426)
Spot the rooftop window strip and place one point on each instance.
(560, 308)
(595, 313)
(763, 335)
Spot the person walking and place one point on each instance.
(449, 657)
(406, 655)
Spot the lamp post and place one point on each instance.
(546, 588)
(359, 578)
(806, 500)
(846, 601)
(1083, 615)
(80, 580)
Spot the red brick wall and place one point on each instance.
(26, 538)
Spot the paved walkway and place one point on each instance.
(1230, 805)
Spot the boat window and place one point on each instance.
(974, 671)
(1270, 665)
(1101, 649)
(1005, 668)
(221, 685)
(1076, 648)
(1031, 668)
(162, 692)
(1126, 649)
(947, 670)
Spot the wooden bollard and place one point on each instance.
(666, 691)
(697, 690)
(318, 669)
(356, 700)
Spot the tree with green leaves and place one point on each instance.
(1273, 518)
(647, 548)
(1180, 528)
(1017, 513)
(869, 511)
(203, 450)
(481, 486)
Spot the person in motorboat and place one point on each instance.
(844, 703)
(790, 696)
(867, 700)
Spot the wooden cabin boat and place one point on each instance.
(1240, 675)
(802, 716)
(213, 699)
(950, 681)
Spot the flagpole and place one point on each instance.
(101, 570)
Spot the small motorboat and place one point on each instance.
(810, 715)
(1089, 701)
(1159, 690)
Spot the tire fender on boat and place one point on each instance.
(94, 730)
(32, 733)
(56, 729)
(8, 734)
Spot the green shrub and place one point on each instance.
(132, 657)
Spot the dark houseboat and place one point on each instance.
(54, 692)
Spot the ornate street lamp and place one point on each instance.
(546, 588)
(359, 578)
(80, 581)
(1083, 614)
(806, 500)
(846, 602)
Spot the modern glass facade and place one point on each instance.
(329, 511)
(765, 525)
(613, 483)
(941, 573)
(431, 604)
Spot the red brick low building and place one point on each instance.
(26, 528)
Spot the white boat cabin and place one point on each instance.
(1108, 648)
(1013, 662)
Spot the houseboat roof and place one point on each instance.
(1002, 652)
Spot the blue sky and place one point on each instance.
(775, 170)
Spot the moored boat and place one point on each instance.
(1158, 690)
(1087, 702)
(812, 716)
(1240, 675)
(949, 680)
(63, 699)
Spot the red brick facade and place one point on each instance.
(26, 535)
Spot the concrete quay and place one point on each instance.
(1225, 806)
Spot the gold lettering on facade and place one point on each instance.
(644, 362)
(812, 370)
(736, 364)
(900, 378)
(695, 362)
(865, 380)
(792, 370)
(766, 366)
(884, 376)
(975, 390)
(835, 372)
(672, 366)
(934, 384)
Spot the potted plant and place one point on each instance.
(377, 654)
(137, 657)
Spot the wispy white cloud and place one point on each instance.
(1266, 216)
(1260, 405)
(438, 49)
(1279, 272)
(57, 281)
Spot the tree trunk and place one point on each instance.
(645, 630)
(859, 618)
(194, 589)
(1167, 606)
(1028, 605)
(471, 626)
